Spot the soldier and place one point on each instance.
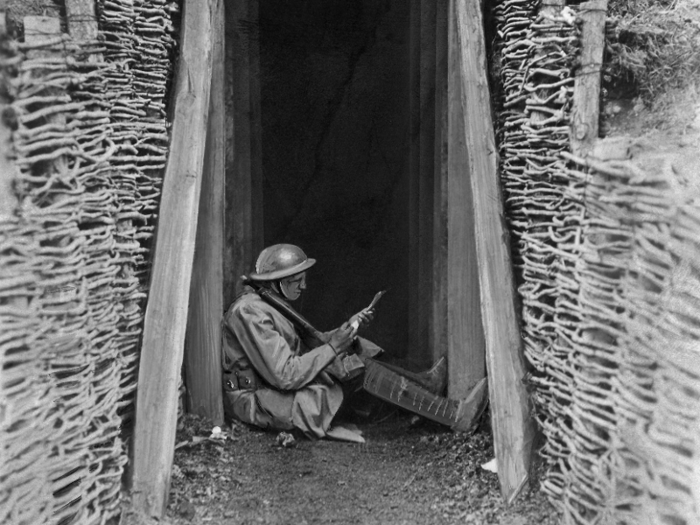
(280, 373)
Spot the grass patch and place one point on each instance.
(652, 48)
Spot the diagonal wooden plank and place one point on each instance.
(465, 339)
(166, 312)
(512, 425)
(203, 341)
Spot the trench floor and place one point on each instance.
(409, 471)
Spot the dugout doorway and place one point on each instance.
(337, 125)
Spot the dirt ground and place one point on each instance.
(409, 471)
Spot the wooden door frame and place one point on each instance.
(244, 194)
(444, 302)
(444, 305)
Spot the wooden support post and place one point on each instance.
(416, 323)
(440, 292)
(426, 179)
(422, 159)
(586, 103)
(243, 219)
(166, 312)
(203, 340)
(8, 169)
(465, 333)
(513, 428)
(82, 22)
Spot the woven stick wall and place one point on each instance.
(609, 270)
(89, 142)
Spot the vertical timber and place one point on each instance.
(427, 175)
(82, 21)
(512, 425)
(203, 339)
(422, 166)
(586, 101)
(9, 171)
(439, 327)
(465, 339)
(243, 216)
(166, 312)
(416, 345)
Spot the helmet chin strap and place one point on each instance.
(280, 289)
(283, 289)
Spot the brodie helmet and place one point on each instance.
(279, 261)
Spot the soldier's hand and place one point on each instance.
(342, 338)
(361, 318)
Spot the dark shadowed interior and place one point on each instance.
(335, 118)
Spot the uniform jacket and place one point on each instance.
(289, 388)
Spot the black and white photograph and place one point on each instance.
(349, 262)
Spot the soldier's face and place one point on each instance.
(292, 287)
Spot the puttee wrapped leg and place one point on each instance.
(398, 390)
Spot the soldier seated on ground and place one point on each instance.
(276, 376)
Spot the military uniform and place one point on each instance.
(273, 380)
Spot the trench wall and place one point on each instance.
(84, 143)
(607, 256)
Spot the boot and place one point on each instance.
(434, 380)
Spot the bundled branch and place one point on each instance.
(89, 141)
(537, 49)
(607, 255)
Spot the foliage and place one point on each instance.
(651, 47)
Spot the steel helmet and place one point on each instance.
(279, 261)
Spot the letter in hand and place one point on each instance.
(342, 338)
(365, 316)
(361, 318)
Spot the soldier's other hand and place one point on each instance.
(342, 338)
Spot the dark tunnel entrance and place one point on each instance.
(335, 115)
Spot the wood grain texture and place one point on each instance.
(439, 326)
(417, 321)
(426, 177)
(203, 339)
(8, 169)
(512, 425)
(166, 311)
(585, 112)
(82, 22)
(244, 198)
(465, 345)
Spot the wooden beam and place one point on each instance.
(203, 339)
(244, 218)
(422, 179)
(439, 327)
(39, 29)
(513, 428)
(81, 18)
(9, 172)
(426, 178)
(166, 311)
(256, 166)
(585, 112)
(466, 348)
(3, 18)
(414, 320)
